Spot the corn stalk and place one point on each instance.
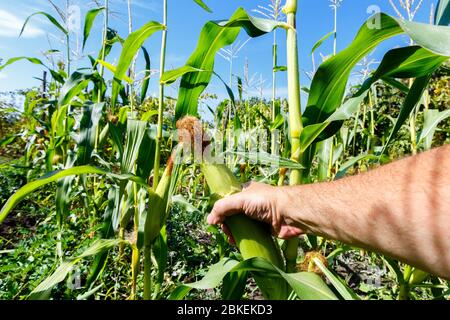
(161, 99)
(295, 116)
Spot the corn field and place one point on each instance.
(105, 188)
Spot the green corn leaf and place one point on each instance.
(240, 87)
(213, 37)
(146, 157)
(339, 284)
(432, 119)
(406, 62)
(277, 123)
(402, 62)
(234, 285)
(89, 293)
(43, 290)
(394, 267)
(172, 75)
(57, 76)
(329, 83)
(442, 14)
(62, 196)
(12, 60)
(203, 5)
(351, 162)
(308, 286)
(146, 82)
(324, 149)
(106, 232)
(267, 159)
(161, 252)
(322, 40)
(49, 17)
(55, 176)
(77, 82)
(113, 69)
(8, 140)
(185, 205)
(88, 128)
(396, 84)
(280, 69)
(411, 100)
(89, 22)
(135, 134)
(112, 37)
(130, 47)
(311, 132)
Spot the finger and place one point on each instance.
(288, 232)
(226, 207)
(228, 234)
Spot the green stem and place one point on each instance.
(134, 272)
(131, 71)
(355, 128)
(161, 100)
(274, 92)
(147, 273)
(99, 93)
(102, 68)
(370, 144)
(135, 253)
(405, 287)
(295, 117)
(68, 53)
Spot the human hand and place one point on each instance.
(260, 202)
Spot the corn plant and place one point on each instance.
(107, 147)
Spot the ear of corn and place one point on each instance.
(252, 237)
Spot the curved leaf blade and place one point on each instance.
(341, 287)
(442, 14)
(329, 83)
(42, 291)
(411, 100)
(49, 17)
(432, 119)
(406, 62)
(55, 176)
(308, 286)
(130, 47)
(146, 82)
(89, 22)
(213, 37)
(322, 40)
(203, 5)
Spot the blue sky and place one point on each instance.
(315, 19)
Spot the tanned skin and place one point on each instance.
(401, 210)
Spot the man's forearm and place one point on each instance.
(401, 209)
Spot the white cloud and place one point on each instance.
(10, 26)
(3, 76)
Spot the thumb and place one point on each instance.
(226, 207)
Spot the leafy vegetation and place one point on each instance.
(104, 197)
